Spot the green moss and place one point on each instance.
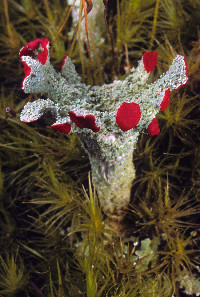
(13, 278)
(54, 237)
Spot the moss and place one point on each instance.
(55, 239)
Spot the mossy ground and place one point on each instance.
(54, 239)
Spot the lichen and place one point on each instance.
(107, 119)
